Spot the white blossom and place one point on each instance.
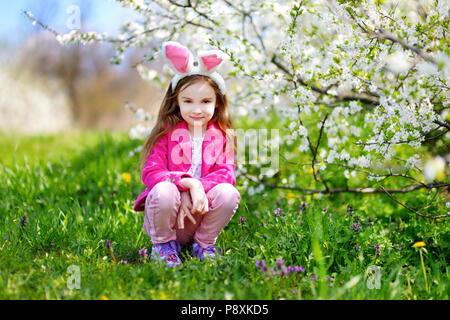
(413, 161)
(434, 168)
(302, 131)
(398, 62)
(292, 125)
(140, 115)
(139, 132)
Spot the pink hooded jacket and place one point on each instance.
(171, 159)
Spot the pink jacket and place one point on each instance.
(171, 159)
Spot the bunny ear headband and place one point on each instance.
(181, 60)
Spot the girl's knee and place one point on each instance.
(228, 194)
(229, 189)
(165, 194)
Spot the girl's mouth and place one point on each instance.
(197, 118)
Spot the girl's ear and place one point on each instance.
(178, 57)
(210, 60)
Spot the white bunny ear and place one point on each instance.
(210, 60)
(178, 57)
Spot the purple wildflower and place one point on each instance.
(242, 220)
(262, 265)
(349, 210)
(356, 226)
(378, 248)
(277, 211)
(143, 253)
(296, 269)
(284, 271)
(280, 263)
(313, 277)
(109, 247)
(357, 248)
(299, 269)
(301, 208)
(289, 269)
(124, 262)
(280, 268)
(23, 221)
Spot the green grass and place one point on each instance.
(70, 188)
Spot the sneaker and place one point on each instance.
(205, 253)
(167, 252)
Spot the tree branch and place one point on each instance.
(382, 34)
(350, 190)
(315, 152)
(415, 211)
(189, 5)
(365, 98)
(442, 124)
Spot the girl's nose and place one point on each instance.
(197, 110)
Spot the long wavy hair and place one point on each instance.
(169, 113)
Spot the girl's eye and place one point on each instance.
(207, 101)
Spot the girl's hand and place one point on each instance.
(185, 209)
(199, 200)
(198, 196)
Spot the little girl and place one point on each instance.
(187, 162)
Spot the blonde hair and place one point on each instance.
(169, 114)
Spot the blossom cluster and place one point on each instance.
(314, 60)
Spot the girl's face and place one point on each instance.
(197, 103)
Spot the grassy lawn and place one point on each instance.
(71, 191)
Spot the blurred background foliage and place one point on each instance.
(47, 87)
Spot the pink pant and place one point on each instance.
(161, 210)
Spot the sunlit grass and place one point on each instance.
(63, 197)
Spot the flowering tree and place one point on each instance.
(360, 86)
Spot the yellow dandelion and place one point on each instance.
(290, 195)
(419, 244)
(126, 177)
(311, 170)
(314, 195)
(104, 298)
(163, 296)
